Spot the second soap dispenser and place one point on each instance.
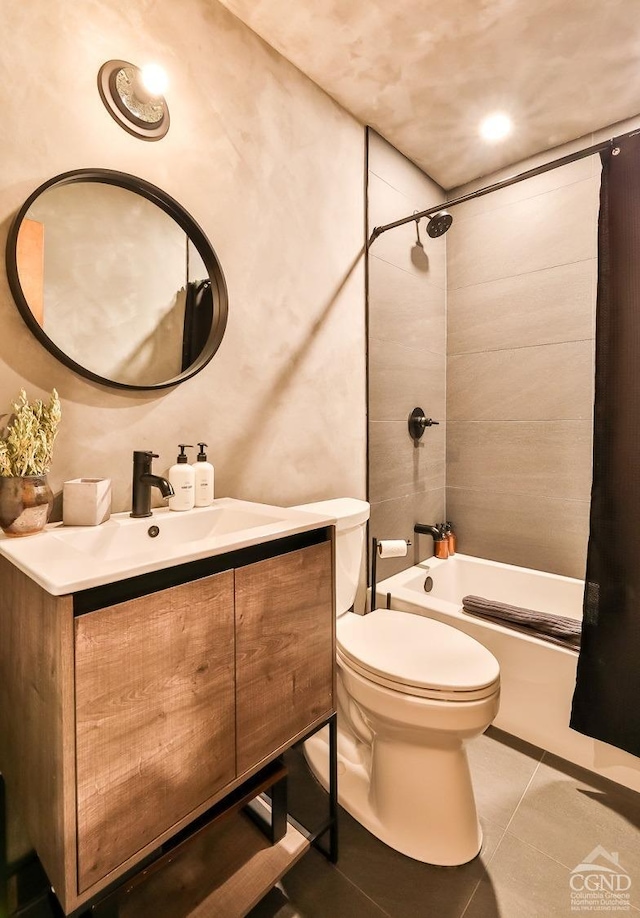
(205, 474)
(182, 476)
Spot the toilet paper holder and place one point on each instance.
(377, 549)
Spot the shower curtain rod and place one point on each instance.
(512, 180)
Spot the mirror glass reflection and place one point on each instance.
(114, 282)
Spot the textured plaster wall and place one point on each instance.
(407, 355)
(272, 169)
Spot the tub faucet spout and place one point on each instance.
(143, 481)
(440, 540)
(424, 529)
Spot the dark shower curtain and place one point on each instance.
(606, 703)
(198, 319)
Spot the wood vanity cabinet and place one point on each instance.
(124, 722)
(155, 722)
(284, 650)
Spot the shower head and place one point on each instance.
(439, 223)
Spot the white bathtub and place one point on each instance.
(537, 677)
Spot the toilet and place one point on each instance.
(411, 692)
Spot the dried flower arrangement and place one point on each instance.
(26, 442)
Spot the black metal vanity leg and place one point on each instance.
(279, 804)
(272, 817)
(4, 893)
(333, 788)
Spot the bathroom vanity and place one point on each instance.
(144, 681)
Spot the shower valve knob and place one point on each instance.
(418, 422)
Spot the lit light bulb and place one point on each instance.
(496, 127)
(154, 79)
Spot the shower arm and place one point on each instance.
(505, 183)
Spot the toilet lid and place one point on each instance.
(417, 655)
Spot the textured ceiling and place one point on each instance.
(424, 73)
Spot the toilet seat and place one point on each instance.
(417, 656)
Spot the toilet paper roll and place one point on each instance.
(392, 548)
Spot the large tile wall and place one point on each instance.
(407, 355)
(521, 298)
(273, 171)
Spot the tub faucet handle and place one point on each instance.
(418, 422)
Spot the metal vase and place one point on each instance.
(25, 504)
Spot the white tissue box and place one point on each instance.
(86, 501)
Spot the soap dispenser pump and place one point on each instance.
(182, 477)
(205, 476)
(451, 538)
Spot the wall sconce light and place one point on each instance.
(134, 98)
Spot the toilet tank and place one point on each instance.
(351, 517)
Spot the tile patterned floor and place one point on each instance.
(541, 818)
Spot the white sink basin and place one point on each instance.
(65, 559)
(123, 537)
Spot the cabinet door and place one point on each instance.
(154, 716)
(284, 649)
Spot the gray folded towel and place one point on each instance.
(554, 628)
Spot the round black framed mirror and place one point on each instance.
(117, 280)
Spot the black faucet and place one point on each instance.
(143, 481)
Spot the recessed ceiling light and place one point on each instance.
(496, 127)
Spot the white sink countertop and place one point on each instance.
(65, 559)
